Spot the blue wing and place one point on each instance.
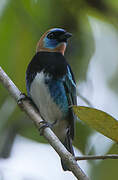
(70, 88)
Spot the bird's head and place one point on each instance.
(54, 40)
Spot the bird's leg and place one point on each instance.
(43, 124)
(54, 123)
(23, 97)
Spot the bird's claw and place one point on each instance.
(43, 124)
(23, 97)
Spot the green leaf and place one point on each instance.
(99, 120)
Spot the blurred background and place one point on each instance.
(93, 55)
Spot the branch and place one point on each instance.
(47, 133)
(91, 157)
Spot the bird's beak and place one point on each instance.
(65, 36)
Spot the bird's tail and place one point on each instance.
(68, 144)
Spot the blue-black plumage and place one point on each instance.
(51, 85)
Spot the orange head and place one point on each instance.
(54, 40)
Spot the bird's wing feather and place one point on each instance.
(70, 88)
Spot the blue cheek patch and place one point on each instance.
(50, 43)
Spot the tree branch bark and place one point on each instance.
(47, 133)
(96, 157)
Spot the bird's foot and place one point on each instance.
(23, 97)
(43, 124)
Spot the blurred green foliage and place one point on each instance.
(21, 25)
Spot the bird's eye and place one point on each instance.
(51, 35)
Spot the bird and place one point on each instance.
(51, 85)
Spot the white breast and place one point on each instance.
(48, 109)
(41, 97)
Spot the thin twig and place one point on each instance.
(47, 133)
(91, 157)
